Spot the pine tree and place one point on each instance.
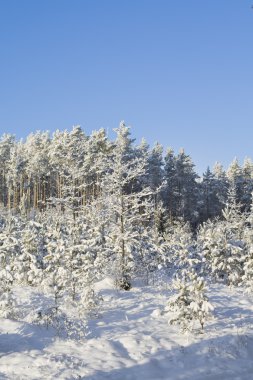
(6, 146)
(235, 178)
(211, 203)
(9, 251)
(221, 243)
(190, 303)
(234, 218)
(55, 272)
(79, 257)
(182, 190)
(247, 278)
(155, 167)
(180, 245)
(169, 193)
(32, 251)
(247, 186)
(221, 185)
(127, 204)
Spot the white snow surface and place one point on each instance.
(133, 340)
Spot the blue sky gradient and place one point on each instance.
(178, 72)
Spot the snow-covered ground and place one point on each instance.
(133, 340)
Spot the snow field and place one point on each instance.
(133, 340)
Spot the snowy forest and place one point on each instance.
(78, 209)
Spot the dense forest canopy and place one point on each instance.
(70, 169)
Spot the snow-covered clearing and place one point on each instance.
(132, 340)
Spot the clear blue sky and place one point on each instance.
(180, 72)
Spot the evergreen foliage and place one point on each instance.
(77, 208)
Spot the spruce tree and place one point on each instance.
(190, 302)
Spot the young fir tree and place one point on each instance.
(32, 252)
(247, 187)
(7, 142)
(9, 251)
(180, 245)
(55, 272)
(181, 191)
(127, 204)
(221, 185)
(169, 193)
(80, 260)
(247, 278)
(16, 176)
(190, 302)
(235, 177)
(96, 217)
(221, 243)
(75, 250)
(150, 248)
(87, 258)
(155, 167)
(37, 168)
(211, 205)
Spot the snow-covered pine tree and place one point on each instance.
(30, 260)
(127, 204)
(37, 169)
(97, 218)
(7, 142)
(80, 256)
(55, 272)
(211, 205)
(234, 218)
(66, 158)
(235, 178)
(247, 278)
(8, 308)
(247, 172)
(81, 271)
(189, 303)
(9, 251)
(93, 253)
(168, 193)
(221, 243)
(94, 165)
(180, 251)
(181, 192)
(155, 167)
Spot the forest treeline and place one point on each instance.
(70, 169)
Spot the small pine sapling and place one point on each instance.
(190, 303)
(8, 308)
